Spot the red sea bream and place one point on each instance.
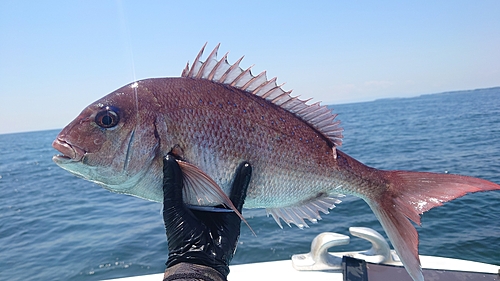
(216, 116)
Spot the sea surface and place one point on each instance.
(54, 226)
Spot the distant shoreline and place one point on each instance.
(493, 89)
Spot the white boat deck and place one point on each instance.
(321, 265)
(283, 270)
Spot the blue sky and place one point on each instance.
(56, 57)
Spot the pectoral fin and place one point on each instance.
(201, 189)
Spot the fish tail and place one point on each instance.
(409, 194)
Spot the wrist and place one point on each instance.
(192, 272)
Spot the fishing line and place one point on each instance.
(127, 42)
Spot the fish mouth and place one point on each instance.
(69, 151)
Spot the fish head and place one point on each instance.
(114, 142)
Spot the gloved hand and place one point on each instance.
(200, 237)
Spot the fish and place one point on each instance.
(218, 115)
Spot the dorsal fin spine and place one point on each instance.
(268, 89)
(287, 104)
(306, 110)
(294, 102)
(283, 95)
(269, 93)
(240, 77)
(231, 69)
(299, 104)
(311, 111)
(185, 71)
(211, 76)
(259, 82)
(257, 90)
(316, 115)
(208, 61)
(196, 60)
(328, 124)
(256, 78)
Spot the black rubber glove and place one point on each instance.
(200, 237)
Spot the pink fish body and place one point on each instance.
(216, 116)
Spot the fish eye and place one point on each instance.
(107, 118)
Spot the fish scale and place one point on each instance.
(218, 115)
(239, 127)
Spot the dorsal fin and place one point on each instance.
(318, 116)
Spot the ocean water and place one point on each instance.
(54, 226)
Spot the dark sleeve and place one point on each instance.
(192, 272)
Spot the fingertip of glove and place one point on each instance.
(240, 184)
(245, 169)
(168, 159)
(246, 172)
(171, 170)
(169, 163)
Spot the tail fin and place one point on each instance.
(410, 194)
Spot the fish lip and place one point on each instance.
(69, 151)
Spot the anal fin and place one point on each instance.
(306, 210)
